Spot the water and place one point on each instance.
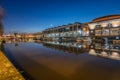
(66, 61)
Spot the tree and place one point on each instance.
(1, 16)
(1, 29)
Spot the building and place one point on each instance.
(22, 37)
(70, 32)
(106, 27)
(106, 30)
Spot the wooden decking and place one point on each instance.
(7, 69)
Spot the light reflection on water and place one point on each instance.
(77, 48)
(66, 61)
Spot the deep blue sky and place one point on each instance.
(37, 15)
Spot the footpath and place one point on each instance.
(7, 69)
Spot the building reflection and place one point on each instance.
(97, 49)
(75, 48)
(106, 54)
(110, 51)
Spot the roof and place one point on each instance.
(108, 17)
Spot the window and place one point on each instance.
(110, 25)
(97, 32)
(70, 28)
(114, 31)
(98, 26)
(105, 32)
(79, 26)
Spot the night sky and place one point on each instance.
(37, 15)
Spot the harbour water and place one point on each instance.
(66, 61)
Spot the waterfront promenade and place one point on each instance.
(7, 70)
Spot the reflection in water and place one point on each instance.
(98, 49)
(1, 46)
(105, 54)
(53, 61)
(110, 51)
(16, 44)
(75, 48)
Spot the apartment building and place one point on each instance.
(68, 32)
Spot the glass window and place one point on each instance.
(98, 26)
(105, 32)
(114, 31)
